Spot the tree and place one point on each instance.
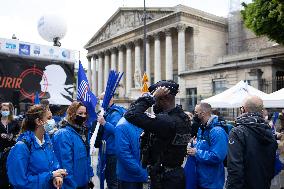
(265, 17)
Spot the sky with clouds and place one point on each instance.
(83, 17)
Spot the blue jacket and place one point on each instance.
(72, 155)
(31, 166)
(112, 116)
(211, 151)
(128, 168)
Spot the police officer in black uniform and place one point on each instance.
(166, 134)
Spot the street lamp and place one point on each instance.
(145, 77)
(144, 41)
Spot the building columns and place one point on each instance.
(157, 58)
(106, 70)
(94, 76)
(120, 68)
(137, 69)
(100, 74)
(181, 47)
(128, 84)
(169, 55)
(113, 59)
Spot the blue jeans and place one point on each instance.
(129, 185)
(110, 172)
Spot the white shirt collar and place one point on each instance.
(39, 142)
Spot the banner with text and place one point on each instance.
(21, 78)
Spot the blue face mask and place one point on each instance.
(49, 126)
(5, 113)
(101, 102)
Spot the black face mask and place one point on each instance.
(196, 119)
(79, 120)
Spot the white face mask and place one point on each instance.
(5, 113)
(50, 124)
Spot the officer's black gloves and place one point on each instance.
(147, 98)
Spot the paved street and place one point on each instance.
(95, 178)
(94, 165)
(277, 182)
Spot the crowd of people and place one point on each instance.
(152, 141)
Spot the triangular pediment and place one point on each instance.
(126, 19)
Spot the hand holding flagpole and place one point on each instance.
(112, 83)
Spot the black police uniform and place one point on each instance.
(169, 136)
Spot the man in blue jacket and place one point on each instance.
(112, 115)
(210, 149)
(129, 171)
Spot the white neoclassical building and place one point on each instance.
(173, 35)
(204, 53)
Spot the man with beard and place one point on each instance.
(252, 149)
(169, 134)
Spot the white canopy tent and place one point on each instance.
(234, 96)
(274, 100)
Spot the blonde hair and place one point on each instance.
(11, 109)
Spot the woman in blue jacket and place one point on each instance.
(31, 162)
(72, 149)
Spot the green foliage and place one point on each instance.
(265, 17)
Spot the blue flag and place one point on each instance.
(85, 95)
(36, 98)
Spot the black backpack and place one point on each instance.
(3, 159)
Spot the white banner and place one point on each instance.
(16, 47)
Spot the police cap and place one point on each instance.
(170, 84)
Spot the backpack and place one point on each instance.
(3, 159)
(227, 128)
(222, 123)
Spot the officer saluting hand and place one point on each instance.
(169, 133)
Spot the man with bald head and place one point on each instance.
(252, 149)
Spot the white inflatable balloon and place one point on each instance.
(51, 26)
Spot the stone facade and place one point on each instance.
(183, 44)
